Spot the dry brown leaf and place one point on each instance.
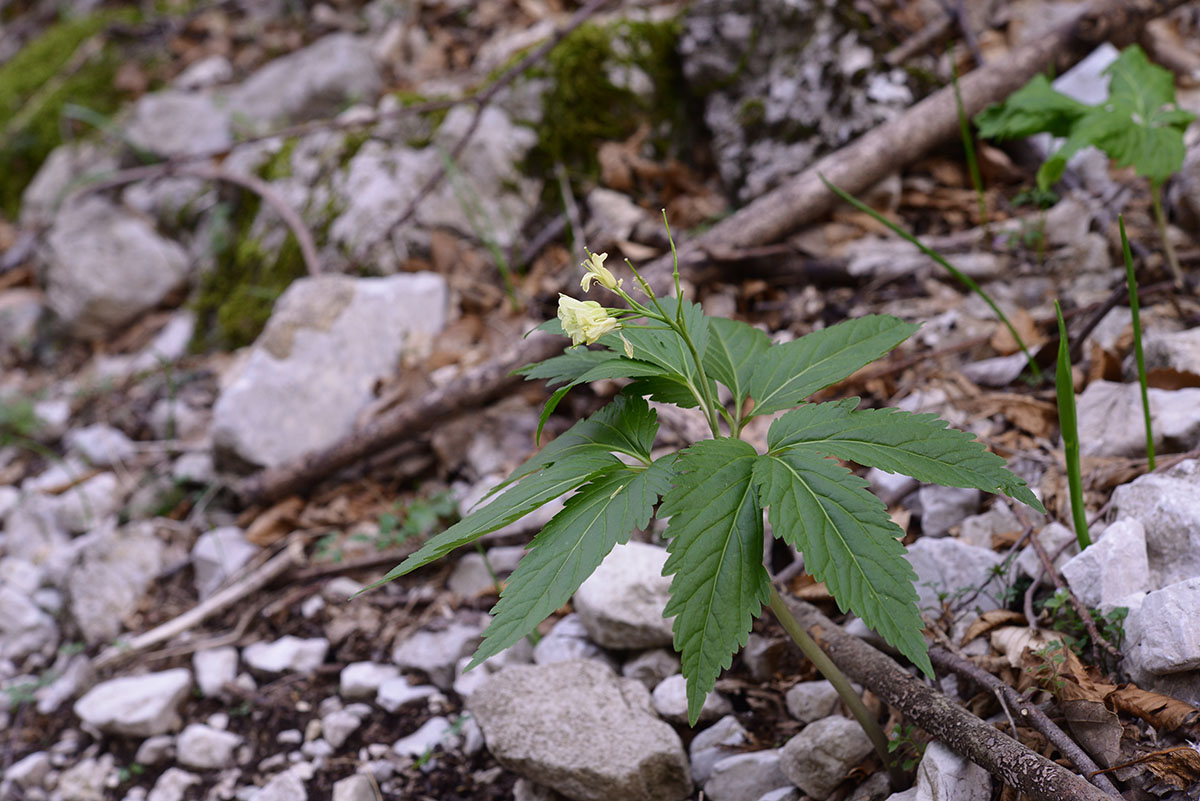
(273, 524)
(1168, 378)
(1036, 417)
(1096, 728)
(1161, 711)
(1004, 343)
(989, 621)
(1178, 766)
(1104, 365)
(1013, 641)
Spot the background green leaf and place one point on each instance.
(917, 445)
(787, 374)
(734, 348)
(848, 541)
(570, 547)
(719, 583)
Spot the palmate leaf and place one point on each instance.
(848, 541)
(1037, 107)
(719, 583)
(627, 425)
(662, 346)
(787, 374)
(570, 547)
(732, 353)
(917, 445)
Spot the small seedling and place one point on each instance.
(1138, 125)
(715, 492)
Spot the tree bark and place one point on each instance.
(986, 746)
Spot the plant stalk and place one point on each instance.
(840, 683)
(1131, 281)
(1160, 220)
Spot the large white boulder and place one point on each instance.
(139, 706)
(329, 341)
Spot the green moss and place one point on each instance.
(583, 107)
(279, 166)
(35, 88)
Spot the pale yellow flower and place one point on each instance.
(584, 321)
(596, 271)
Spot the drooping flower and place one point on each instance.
(584, 321)
(596, 271)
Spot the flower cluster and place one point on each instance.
(584, 321)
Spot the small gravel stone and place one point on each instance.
(206, 748)
(670, 701)
(287, 655)
(363, 679)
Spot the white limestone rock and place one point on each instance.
(820, 757)
(113, 570)
(431, 734)
(1055, 538)
(567, 640)
(101, 445)
(288, 654)
(1162, 633)
(317, 81)
(206, 748)
(174, 123)
(57, 176)
(713, 744)
(947, 567)
(1168, 506)
(436, 652)
(942, 508)
(358, 787)
(218, 555)
(104, 266)
(139, 706)
(1110, 415)
(651, 667)
(172, 785)
(670, 702)
(1113, 568)
(363, 679)
(329, 341)
(621, 604)
(214, 668)
(285, 786)
(809, 701)
(745, 777)
(579, 728)
(24, 628)
(396, 693)
(1176, 350)
(943, 774)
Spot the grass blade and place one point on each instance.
(962, 277)
(1065, 389)
(1131, 280)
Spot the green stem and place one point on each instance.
(1131, 281)
(1160, 220)
(839, 681)
(707, 400)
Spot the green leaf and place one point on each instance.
(579, 365)
(627, 425)
(917, 445)
(570, 547)
(662, 346)
(733, 350)
(848, 542)
(719, 582)
(665, 389)
(787, 374)
(530, 493)
(1034, 108)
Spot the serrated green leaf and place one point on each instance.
(665, 389)
(570, 547)
(661, 345)
(1034, 108)
(719, 583)
(579, 365)
(917, 445)
(787, 374)
(627, 425)
(733, 350)
(532, 492)
(848, 542)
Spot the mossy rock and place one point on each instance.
(38, 84)
(584, 107)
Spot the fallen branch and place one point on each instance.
(291, 556)
(408, 420)
(1028, 712)
(986, 746)
(213, 172)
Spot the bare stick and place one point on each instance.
(993, 750)
(212, 172)
(281, 563)
(1028, 712)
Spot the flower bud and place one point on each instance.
(596, 271)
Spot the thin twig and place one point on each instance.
(1028, 712)
(291, 556)
(213, 172)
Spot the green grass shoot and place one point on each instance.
(962, 277)
(1067, 422)
(1131, 281)
(964, 130)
